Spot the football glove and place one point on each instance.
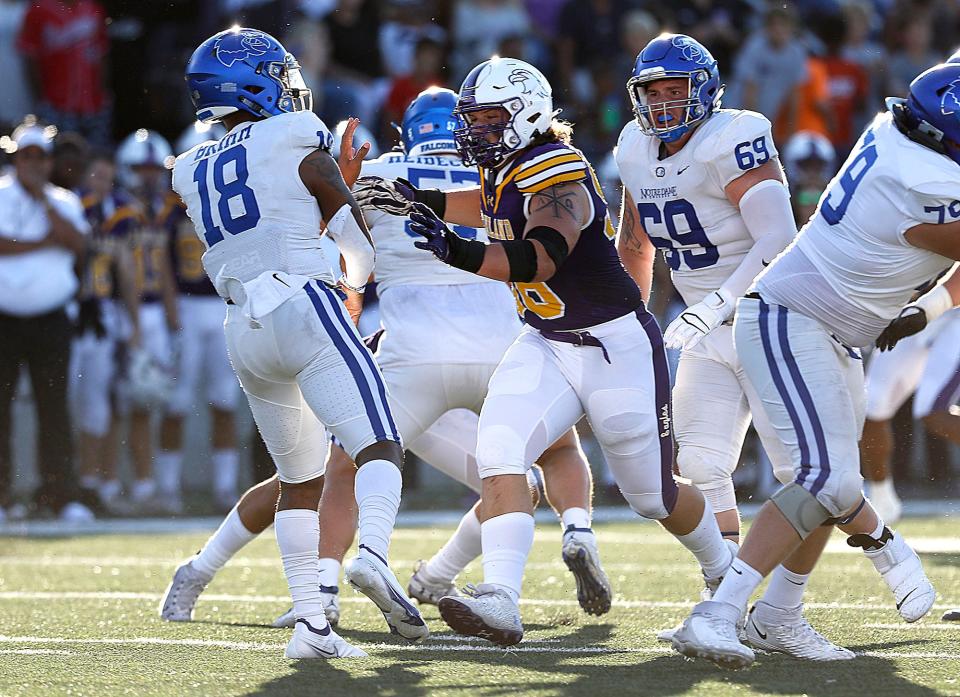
(911, 320)
(393, 196)
(438, 236)
(694, 323)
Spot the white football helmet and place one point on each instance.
(515, 86)
(809, 146)
(199, 132)
(142, 147)
(360, 136)
(148, 383)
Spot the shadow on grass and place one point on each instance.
(493, 674)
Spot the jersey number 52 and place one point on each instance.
(233, 195)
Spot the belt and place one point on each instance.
(577, 339)
(228, 301)
(753, 296)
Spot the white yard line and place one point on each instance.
(281, 599)
(420, 648)
(903, 627)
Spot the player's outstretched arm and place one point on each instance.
(636, 250)
(555, 218)
(398, 196)
(322, 177)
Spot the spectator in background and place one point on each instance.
(860, 48)
(848, 85)
(810, 161)
(914, 54)
(65, 46)
(544, 18)
(813, 99)
(17, 98)
(405, 22)
(355, 64)
(589, 34)
(718, 24)
(771, 68)
(71, 157)
(42, 231)
(480, 25)
(428, 59)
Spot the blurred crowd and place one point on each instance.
(104, 79)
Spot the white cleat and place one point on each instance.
(182, 593)
(771, 628)
(428, 592)
(330, 595)
(581, 556)
(309, 642)
(903, 572)
(370, 575)
(486, 612)
(951, 615)
(710, 632)
(710, 586)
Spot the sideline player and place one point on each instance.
(257, 198)
(589, 346)
(884, 226)
(704, 185)
(108, 303)
(144, 158)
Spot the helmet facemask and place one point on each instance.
(473, 143)
(656, 120)
(294, 93)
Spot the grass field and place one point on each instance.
(78, 617)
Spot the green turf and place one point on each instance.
(564, 652)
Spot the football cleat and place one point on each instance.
(309, 642)
(710, 632)
(901, 570)
(486, 612)
(428, 592)
(182, 593)
(370, 575)
(771, 628)
(951, 616)
(710, 586)
(330, 595)
(581, 556)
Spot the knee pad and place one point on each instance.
(500, 450)
(710, 474)
(842, 492)
(801, 509)
(648, 506)
(620, 431)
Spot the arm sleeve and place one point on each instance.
(358, 254)
(766, 212)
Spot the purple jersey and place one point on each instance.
(186, 251)
(114, 220)
(591, 286)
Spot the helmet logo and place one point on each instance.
(231, 48)
(950, 102)
(520, 77)
(690, 50)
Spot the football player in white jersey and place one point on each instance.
(705, 186)
(257, 198)
(888, 222)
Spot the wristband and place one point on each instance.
(935, 303)
(434, 199)
(465, 254)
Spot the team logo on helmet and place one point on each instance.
(520, 77)
(950, 102)
(689, 50)
(237, 47)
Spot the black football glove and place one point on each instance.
(910, 321)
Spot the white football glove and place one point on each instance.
(393, 196)
(694, 323)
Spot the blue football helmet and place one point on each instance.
(672, 56)
(930, 115)
(429, 119)
(245, 69)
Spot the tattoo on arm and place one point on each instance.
(560, 201)
(329, 188)
(632, 241)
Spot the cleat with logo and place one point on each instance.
(369, 574)
(181, 596)
(710, 632)
(901, 570)
(484, 611)
(582, 558)
(774, 629)
(330, 595)
(309, 642)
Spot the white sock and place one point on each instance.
(882, 487)
(298, 536)
(377, 488)
(110, 489)
(707, 545)
(879, 529)
(166, 469)
(576, 517)
(462, 548)
(229, 539)
(507, 540)
(786, 588)
(90, 481)
(329, 572)
(226, 467)
(143, 489)
(738, 584)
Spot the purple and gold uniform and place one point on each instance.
(113, 221)
(591, 286)
(186, 250)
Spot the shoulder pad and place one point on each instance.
(727, 128)
(547, 165)
(307, 130)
